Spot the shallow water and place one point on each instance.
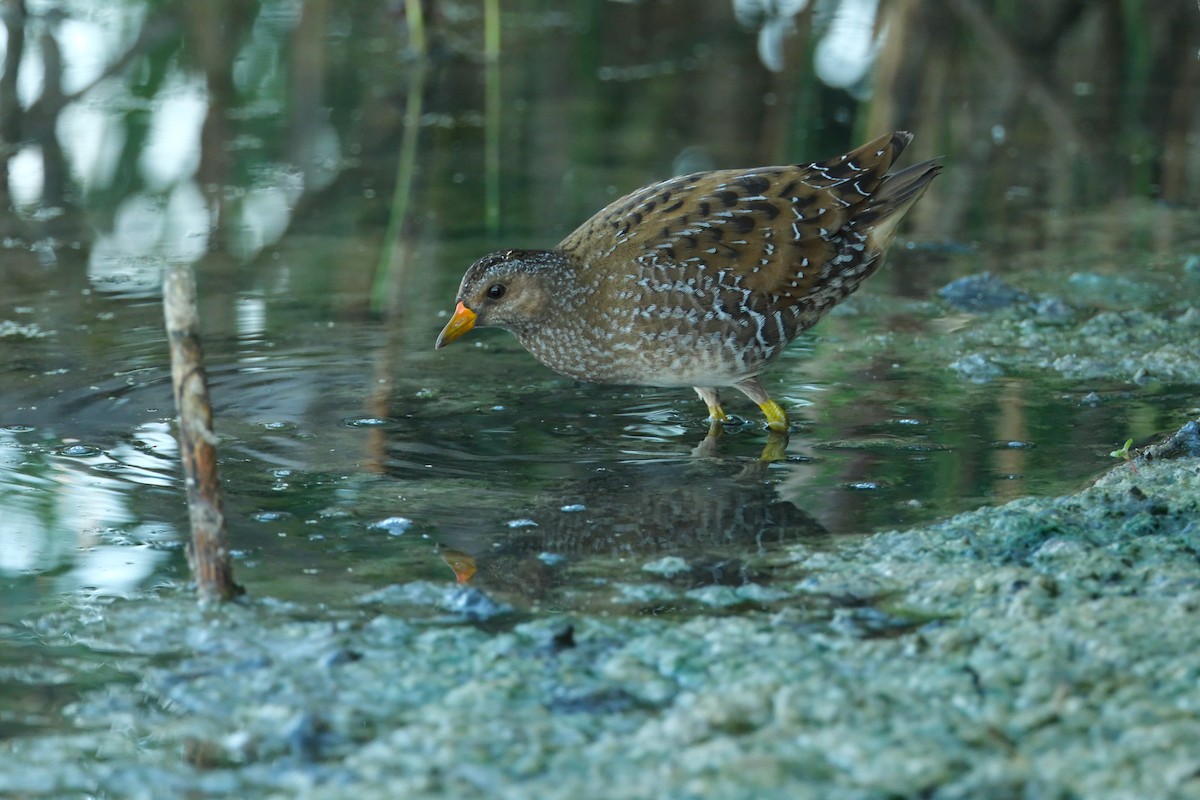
(330, 189)
(329, 428)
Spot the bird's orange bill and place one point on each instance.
(462, 564)
(462, 321)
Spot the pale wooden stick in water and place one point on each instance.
(208, 553)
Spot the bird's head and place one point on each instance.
(508, 289)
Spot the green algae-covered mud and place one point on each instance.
(1043, 648)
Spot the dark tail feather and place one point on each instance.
(898, 188)
(876, 157)
(896, 194)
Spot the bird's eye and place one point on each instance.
(496, 291)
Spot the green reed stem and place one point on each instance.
(491, 29)
(406, 166)
(416, 26)
(491, 115)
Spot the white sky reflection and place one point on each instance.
(168, 217)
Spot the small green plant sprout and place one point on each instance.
(1125, 454)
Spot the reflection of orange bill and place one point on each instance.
(462, 564)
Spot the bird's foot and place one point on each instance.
(777, 418)
(717, 416)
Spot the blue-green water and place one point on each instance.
(329, 187)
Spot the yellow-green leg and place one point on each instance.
(777, 418)
(716, 415)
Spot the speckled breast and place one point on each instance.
(659, 324)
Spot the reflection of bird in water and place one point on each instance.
(700, 280)
(632, 513)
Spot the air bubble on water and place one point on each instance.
(393, 526)
(79, 451)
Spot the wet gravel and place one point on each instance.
(1043, 648)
